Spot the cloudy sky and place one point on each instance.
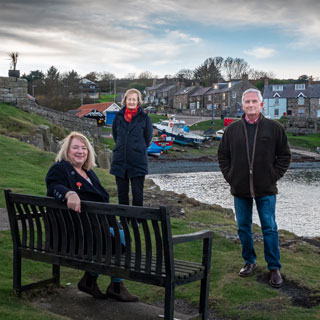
(161, 36)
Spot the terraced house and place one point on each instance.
(298, 100)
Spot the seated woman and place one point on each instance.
(71, 179)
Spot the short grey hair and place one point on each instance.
(65, 145)
(252, 90)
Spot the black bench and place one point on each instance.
(44, 230)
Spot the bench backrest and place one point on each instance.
(43, 224)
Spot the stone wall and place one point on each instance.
(13, 91)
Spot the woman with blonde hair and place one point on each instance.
(70, 180)
(132, 133)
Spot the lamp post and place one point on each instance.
(33, 86)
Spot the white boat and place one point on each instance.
(179, 131)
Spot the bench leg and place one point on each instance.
(17, 272)
(205, 282)
(56, 274)
(203, 308)
(169, 301)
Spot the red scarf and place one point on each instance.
(128, 114)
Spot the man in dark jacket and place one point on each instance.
(253, 155)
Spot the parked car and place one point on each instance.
(151, 109)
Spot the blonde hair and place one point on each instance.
(124, 100)
(64, 148)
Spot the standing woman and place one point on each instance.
(132, 133)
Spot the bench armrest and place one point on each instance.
(204, 234)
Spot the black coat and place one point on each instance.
(131, 142)
(271, 158)
(62, 177)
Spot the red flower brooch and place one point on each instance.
(79, 184)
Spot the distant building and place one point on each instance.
(226, 97)
(294, 100)
(89, 89)
(108, 109)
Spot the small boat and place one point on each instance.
(219, 134)
(160, 144)
(178, 130)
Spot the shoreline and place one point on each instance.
(204, 164)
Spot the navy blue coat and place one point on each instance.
(62, 177)
(132, 140)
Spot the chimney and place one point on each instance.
(244, 77)
(183, 85)
(266, 81)
(197, 84)
(310, 81)
(178, 84)
(154, 82)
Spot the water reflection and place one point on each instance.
(298, 201)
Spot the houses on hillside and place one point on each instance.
(294, 100)
(224, 98)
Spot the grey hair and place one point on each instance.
(65, 145)
(252, 90)
(124, 100)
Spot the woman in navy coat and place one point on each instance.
(71, 179)
(132, 133)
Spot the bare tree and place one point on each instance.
(235, 68)
(146, 75)
(184, 74)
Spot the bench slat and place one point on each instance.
(23, 225)
(39, 227)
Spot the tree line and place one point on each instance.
(61, 91)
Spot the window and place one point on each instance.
(277, 88)
(318, 113)
(276, 101)
(300, 112)
(319, 100)
(209, 97)
(276, 112)
(234, 95)
(301, 101)
(289, 112)
(300, 86)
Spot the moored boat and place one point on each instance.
(179, 131)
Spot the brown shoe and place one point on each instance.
(88, 284)
(117, 290)
(276, 280)
(247, 270)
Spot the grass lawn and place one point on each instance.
(310, 141)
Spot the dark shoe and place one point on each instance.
(88, 284)
(276, 280)
(247, 270)
(117, 290)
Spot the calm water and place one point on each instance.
(298, 201)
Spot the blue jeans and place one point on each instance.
(266, 210)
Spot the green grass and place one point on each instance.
(16, 123)
(205, 125)
(310, 141)
(107, 97)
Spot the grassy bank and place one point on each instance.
(23, 169)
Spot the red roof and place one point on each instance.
(86, 108)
